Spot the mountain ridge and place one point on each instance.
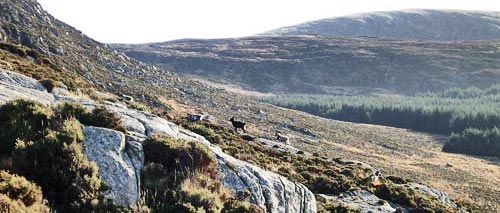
(420, 24)
(322, 64)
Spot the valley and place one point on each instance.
(145, 89)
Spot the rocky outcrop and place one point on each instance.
(270, 144)
(120, 157)
(106, 147)
(273, 193)
(360, 200)
(15, 86)
(433, 193)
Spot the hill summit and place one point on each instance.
(439, 25)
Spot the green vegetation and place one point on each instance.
(20, 195)
(102, 117)
(22, 119)
(475, 142)
(45, 146)
(181, 176)
(318, 174)
(332, 208)
(99, 117)
(450, 111)
(28, 62)
(49, 84)
(138, 106)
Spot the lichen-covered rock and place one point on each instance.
(271, 192)
(435, 193)
(16, 86)
(106, 147)
(360, 200)
(279, 145)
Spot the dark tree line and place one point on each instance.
(470, 116)
(475, 142)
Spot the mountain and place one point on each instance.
(118, 110)
(439, 25)
(324, 64)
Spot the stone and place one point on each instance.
(437, 194)
(361, 201)
(127, 98)
(194, 117)
(106, 148)
(15, 86)
(235, 107)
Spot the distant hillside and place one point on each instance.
(441, 25)
(318, 64)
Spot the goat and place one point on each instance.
(237, 125)
(282, 138)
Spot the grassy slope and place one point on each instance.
(335, 139)
(395, 151)
(312, 64)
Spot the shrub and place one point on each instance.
(139, 106)
(9, 205)
(57, 163)
(340, 209)
(102, 117)
(14, 49)
(248, 138)
(162, 150)
(396, 194)
(18, 195)
(68, 110)
(47, 149)
(169, 162)
(70, 131)
(237, 206)
(201, 197)
(179, 156)
(208, 133)
(181, 176)
(49, 84)
(397, 180)
(22, 119)
(99, 117)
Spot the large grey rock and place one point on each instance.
(270, 144)
(437, 194)
(17, 86)
(143, 122)
(360, 200)
(106, 147)
(271, 192)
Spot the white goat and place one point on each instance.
(282, 138)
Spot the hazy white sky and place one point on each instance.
(134, 21)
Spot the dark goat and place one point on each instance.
(237, 125)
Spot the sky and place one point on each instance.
(142, 21)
